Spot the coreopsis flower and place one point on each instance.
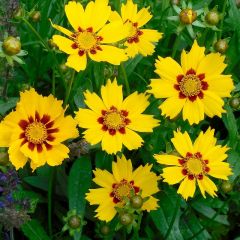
(116, 187)
(138, 40)
(195, 163)
(112, 120)
(36, 130)
(196, 87)
(91, 35)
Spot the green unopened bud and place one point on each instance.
(74, 222)
(11, 46)
(221, 46)
(187, 16)
(63, 67)
(126, 219)
(175, 2)
(105, 229)
(36, 16)
(18, 13)
(227, 186)
(136, 201)
(212, 17)
(234, 102)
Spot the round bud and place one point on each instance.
(221, 46)
(18, 13)
(126, 219)
(234, 102)
(74, 222)
(11, 46)
(105, 229)
(227, 186)
(212, 17)
(63, 67)
(36, 16)
(136, 201)
(175, 2)
(187, 16)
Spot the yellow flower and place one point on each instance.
(117, 186)
(138, 40)
(196, 87)
(196, 162)
(91, 35)
(112, 120)
(35, 130)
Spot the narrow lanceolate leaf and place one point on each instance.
(79, 182)
(33, 230)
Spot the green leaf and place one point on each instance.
(38, 182)
(79, 182)
(33, 230)
(5, 106)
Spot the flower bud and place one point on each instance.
(126, 219)
(212, 17)
(11, 46)
(63, 67)
(175, 2)
(221, 46)
(105, 229)
(234, 102)
(18, 13)
(187, 16)
(36, 16)
(74, 222)
(226, 186)
(136, 201)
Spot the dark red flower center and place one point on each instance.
(135, 33)
(191, 85)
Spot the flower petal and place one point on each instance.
(62, 29)
(98, 196)
(216, 154)
(167, 159)
(112, 143)
(103, 178)
(131, 140)
(150, 205)
(106, 211)
(220, 170)
(172, 175)
(64, 44)
(151, 35)
(187, 188)
(77, 62)
(87, 118)
(94, 135)
(206, 185)
(128, 11)
(142, 17)
(57, 154)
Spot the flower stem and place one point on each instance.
(175, 46)
(53, 81)
(173, 219)
(125, 78)
(69, 88)
(11, 234)
(223, 13)
(50, 196)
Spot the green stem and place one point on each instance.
(137, 228)
(173, 219)
(69, 88)
(175, 46)
(223, 13)
(50, 196)
(11, 234)
(53, 82)
(125, 78)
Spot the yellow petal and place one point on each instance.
(150, 205)
(206, 185)
(113, 32)
(213, 104)
(187, 188)
(16, 157)
(88, 14)
(172, 175)
(98, 196)
(193, 111)
(109, 54)
(142, 17)
(103, 178)
(128, 11)
(129, 103)
(172, 106)
(94, 135)
(62, 29)
(112, 143)
(143, 123)
(151, 35)
(182, 143)
(205, 141)
(216, 154)
(106, 211)
(131, 139)
(5, 135)
(112, 94)
(64, 44)
(131, 50)
(114, 16)
(216, 61)
(168, 68)
(87, 118)
(193, 58)
(75, 14)
(162, 88)
(57, 154)
(145, 47)
(122, 169)
(220, 170)
(94, 102)
(221, 85)
(167, 159)
(77, 62)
